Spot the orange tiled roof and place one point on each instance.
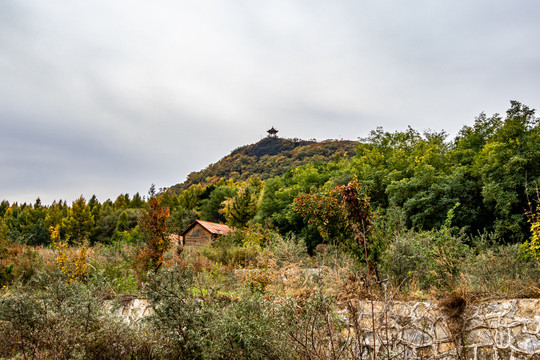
(213, 228)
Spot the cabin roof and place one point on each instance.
(211, 227)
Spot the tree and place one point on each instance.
(123, 222)
(122, 201)
(153, 224)
(532, 245)
(80, 223)
(137, 202)
(509, 160)
(241, 208)
(343, 216)
(93, 202)
(39, 234)
(211, 208)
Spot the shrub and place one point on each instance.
(212, 325)
(73, 263)
(289, 249)
(153, 225)
(501, 270)
(226, 251)
(431, 259)
(64, 322)
(249, 328)
(19, 263)
(179, 315)
(532, 246)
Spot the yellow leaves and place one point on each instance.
(72, 263)
(532, 246)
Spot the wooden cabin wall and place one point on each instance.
(197, 236)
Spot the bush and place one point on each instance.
(250, 328)
(408, 259)
(289, 249)
(178, 314)
(226, 252)
(430, 259)
(19, 263)
(64, 322)
(502, 270)
(213, 325)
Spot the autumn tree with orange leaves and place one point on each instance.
(153, 224)
(343, 216)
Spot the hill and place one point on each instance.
(272, 156)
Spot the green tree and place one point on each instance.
(211, 208)
(122, 224)
(80, 223)
(509, 160)
(137, 202)
(241, 208)
(121, 202)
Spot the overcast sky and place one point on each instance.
(109, 96)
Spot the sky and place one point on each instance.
(110, 96)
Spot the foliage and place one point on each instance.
(427, 259)
(226, 251)
(211, 208)
(242, 207)
(289, 250)
(501, 270)
(342, 216)
(532, 246)
(153, 224)
(268, 158)
(507, 163)
(213, 325)
(79, 224)
(72, 263)
(67, 322)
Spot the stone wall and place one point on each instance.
(131, 310)
(508, 329)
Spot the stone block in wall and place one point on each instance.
(403, 309)
(440, 331)
(528, 308)
(445, 347)
(518, 356)
(502, 338)
(425, 352)
(425, 310)
(528, 343)
(470, 353)
(480, 337)
(485, 353)
(416, 337)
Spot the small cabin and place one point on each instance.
(203, 232)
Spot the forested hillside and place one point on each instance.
(487, 173)
(267, 158)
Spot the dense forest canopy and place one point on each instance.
(488, 174)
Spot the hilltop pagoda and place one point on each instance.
(272, 132)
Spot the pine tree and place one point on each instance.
(80, 223)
